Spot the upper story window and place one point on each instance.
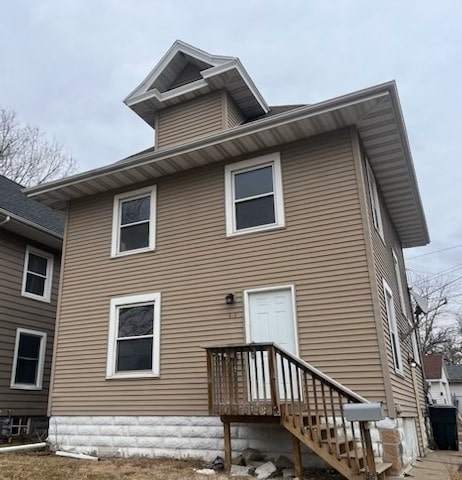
(133, 223)
(38, 274)
(28, 359)
(134, 330)
(393, 328)
(399, 282)
(374, 196)
(254, 199)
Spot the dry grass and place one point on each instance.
(46, 466)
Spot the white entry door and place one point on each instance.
(270, 318)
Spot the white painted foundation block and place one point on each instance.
(175, 437)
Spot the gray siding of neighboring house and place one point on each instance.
(17, 311)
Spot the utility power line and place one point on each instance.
(436, 251)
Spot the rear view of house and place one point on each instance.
(30, 251)
(270, 238)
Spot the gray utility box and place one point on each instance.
(363, 412)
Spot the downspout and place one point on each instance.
(6, 220)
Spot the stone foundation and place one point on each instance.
(393, 441)
(178, 437)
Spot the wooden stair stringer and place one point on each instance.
(338, 465)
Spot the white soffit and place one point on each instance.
(217, 72)
(375, 112)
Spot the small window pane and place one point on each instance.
(26, 371)
(37, 264)
(135, 210)
(134, 354)
(35, 284)
(255, 182)
(29, 346)
(134, 237)
(136, 321)
(251, 213)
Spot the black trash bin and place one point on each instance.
(444, 425)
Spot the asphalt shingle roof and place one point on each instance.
(14, 201)
(454, 373)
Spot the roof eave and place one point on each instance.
(31, 230)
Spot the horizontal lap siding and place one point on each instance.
(192, 119)
(17, 311)
(402, 388)
(234, 116)
(321, 251)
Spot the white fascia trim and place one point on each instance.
(112, 336)
(273, 159)
(46, 297)
(178, 46)
(237, 65)
(40, 365)
(133, 194)
(31, 224)
(272, 288)
(247, 129)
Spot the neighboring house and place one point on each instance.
(455, 385)
(30, 249)
(436, 375)
(244, 223)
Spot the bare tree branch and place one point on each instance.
(27, 156)
(441, 328)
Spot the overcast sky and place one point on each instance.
(66, 66)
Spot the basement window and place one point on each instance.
(133, 223)
(38, 274)
(134, 329)
(253, 191)
(19, 426)
(28, 359)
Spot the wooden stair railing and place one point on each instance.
(260, 381)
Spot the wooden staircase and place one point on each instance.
(261, 382)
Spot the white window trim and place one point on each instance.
(112, 339)
(273, 159)
(393, 329)
(41, 361)
(399, 282)
(375, 201)
(46, 297)
(132, 195)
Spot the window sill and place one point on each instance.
(264, 228)
(25, 387)
(132, 252)
(128, 376)
(36, 297)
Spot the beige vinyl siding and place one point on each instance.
(402, 386)
(189, 74)
(321, 251)
(17, 311)
(234, 116)
(192, 119)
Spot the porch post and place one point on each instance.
(297, 457)
(227, 443)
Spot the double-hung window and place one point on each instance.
(254, 199)
(134, 329)
(28, 359)
(133, 226)
(399, 282)
(393, 328)
(38, 274)
(374, 198)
